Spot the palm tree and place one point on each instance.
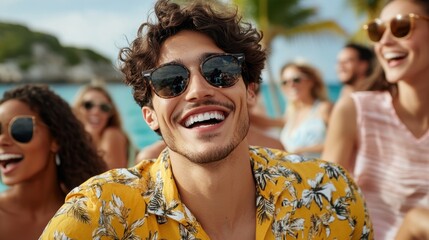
(285, 18)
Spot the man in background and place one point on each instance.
(355, 63)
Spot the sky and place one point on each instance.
(106, 26)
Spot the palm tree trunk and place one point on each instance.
(274, 94)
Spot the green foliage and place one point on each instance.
(279, 12)
(368, 8)
(288, 19)
(16, 43)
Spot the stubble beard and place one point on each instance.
(213, 155)
(352, 80)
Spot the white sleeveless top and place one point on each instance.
(311, 131)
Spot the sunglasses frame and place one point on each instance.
(88, 105)
(148, 73)
(380, 23)
(12, 121)
(296, 80)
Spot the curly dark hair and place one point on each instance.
(79, 158)
(225, 27)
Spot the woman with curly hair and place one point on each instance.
(96, 109)
(44, 153)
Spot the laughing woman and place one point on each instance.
(44, 153)
(383, 137)
(95, 108)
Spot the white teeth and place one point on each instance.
(7, 156)
(392, 55)
(204, 117)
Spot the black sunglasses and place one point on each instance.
(400, 26)
(171, 79)
(296, 80)
(105, 107)
(21, 128)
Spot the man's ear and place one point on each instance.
(251, 94)
(149, 116)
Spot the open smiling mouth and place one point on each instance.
(204, 119)
(7, 159)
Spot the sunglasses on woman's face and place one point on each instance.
(401, 26)
(21, 128)
(171, 79)
(295, 80)
(104, 107)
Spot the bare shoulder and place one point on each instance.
(150, 152)
(345, 107)
(258, 138)
(325, 109)
(114, 133)
(326, 106)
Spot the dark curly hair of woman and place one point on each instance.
(216, 21)
(79, 158)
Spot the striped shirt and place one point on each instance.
(392, 165)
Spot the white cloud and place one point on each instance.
(101, 31)
(100, 28)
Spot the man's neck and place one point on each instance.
(221, 195)
(360, 84)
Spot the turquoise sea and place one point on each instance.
(132, 119)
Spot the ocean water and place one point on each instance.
(132, 119)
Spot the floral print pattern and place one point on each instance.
(296, 199)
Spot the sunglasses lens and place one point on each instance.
(222, 71)
(400, 26)
(169, 80)
(296, 80)
(105, 107)
(22, 129)
(88, 105)
(375, 31)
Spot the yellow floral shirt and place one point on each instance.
(295, 199)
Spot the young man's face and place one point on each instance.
(204, 123)
(349, 67)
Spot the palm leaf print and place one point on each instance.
(265, 208)
(320, 223)
(287, 173)
(77, 208)
(185, 234)
(340, 207)
(152, 237)
(333, 171)
(263, 175)
(365, 233)
(287, 226)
